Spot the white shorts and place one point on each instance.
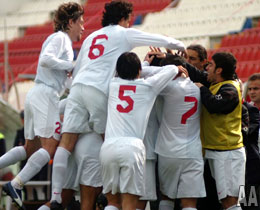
(86, 110)
(71, 182)
(123, 166)
(181, 178)
(86, 154)
(84, 166)
(150, 181)
(42, 113)
(229, 173)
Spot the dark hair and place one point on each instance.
(253, 77)
(22, 114)
(115, 11)
(66, 12)
(173, 59)
(202, 52)
(156, 61)
(227, 62)
(128, 66)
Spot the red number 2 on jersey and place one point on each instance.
(191, 111)
(128, 99)
(57, 130)
(99, 47)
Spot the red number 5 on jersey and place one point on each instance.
(99, 47)
(128, 99)
(191, 111)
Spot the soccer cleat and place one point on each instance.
(56, 206)
(15, 194)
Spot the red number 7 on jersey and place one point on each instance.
(191, 111)
(128, 99)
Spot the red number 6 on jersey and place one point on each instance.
(99, 47)
(191, 111)
(128, 99)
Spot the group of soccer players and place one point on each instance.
(110, 100)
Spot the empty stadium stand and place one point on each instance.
(191, 23)
(23, 51)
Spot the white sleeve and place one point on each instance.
(49, 57)
(161, 79)
(148, 71)
(145, 63)
(139, 38)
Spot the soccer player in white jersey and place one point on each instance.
(149, 142)
(122, 154)
(87, 103)
(84, 169)
(180, 162)
(41, 105)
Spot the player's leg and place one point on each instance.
(60, 163)
(189, 203)
(90, 195)
(129, 201)
(230, 203)
(67, 195)
(169, 173)
(229, 175)
(41, 119)
(150, 185)
(141, 204)
(114, 201)
(166, 203)
(75, 122)
(191, 175)
(35, 163)
(86, 155)
(20, 153)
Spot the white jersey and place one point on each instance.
(130, 103)
(152, 130)
(97, 59)
(179, 133)
(55, 61)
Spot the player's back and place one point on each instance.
(97, 59)
(129, 106)
(130, 102)
(179, 134)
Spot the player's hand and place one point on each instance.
(182, 70)
(157, 52)
(169, 51)
(182, 53)
(149, 58)
(199, 85)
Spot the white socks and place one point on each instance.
(235, 207)
(32, 167)
(166, 205)
(13, 156)
(60, 163)
(43, 207)
(189, 208)
(111, 208)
